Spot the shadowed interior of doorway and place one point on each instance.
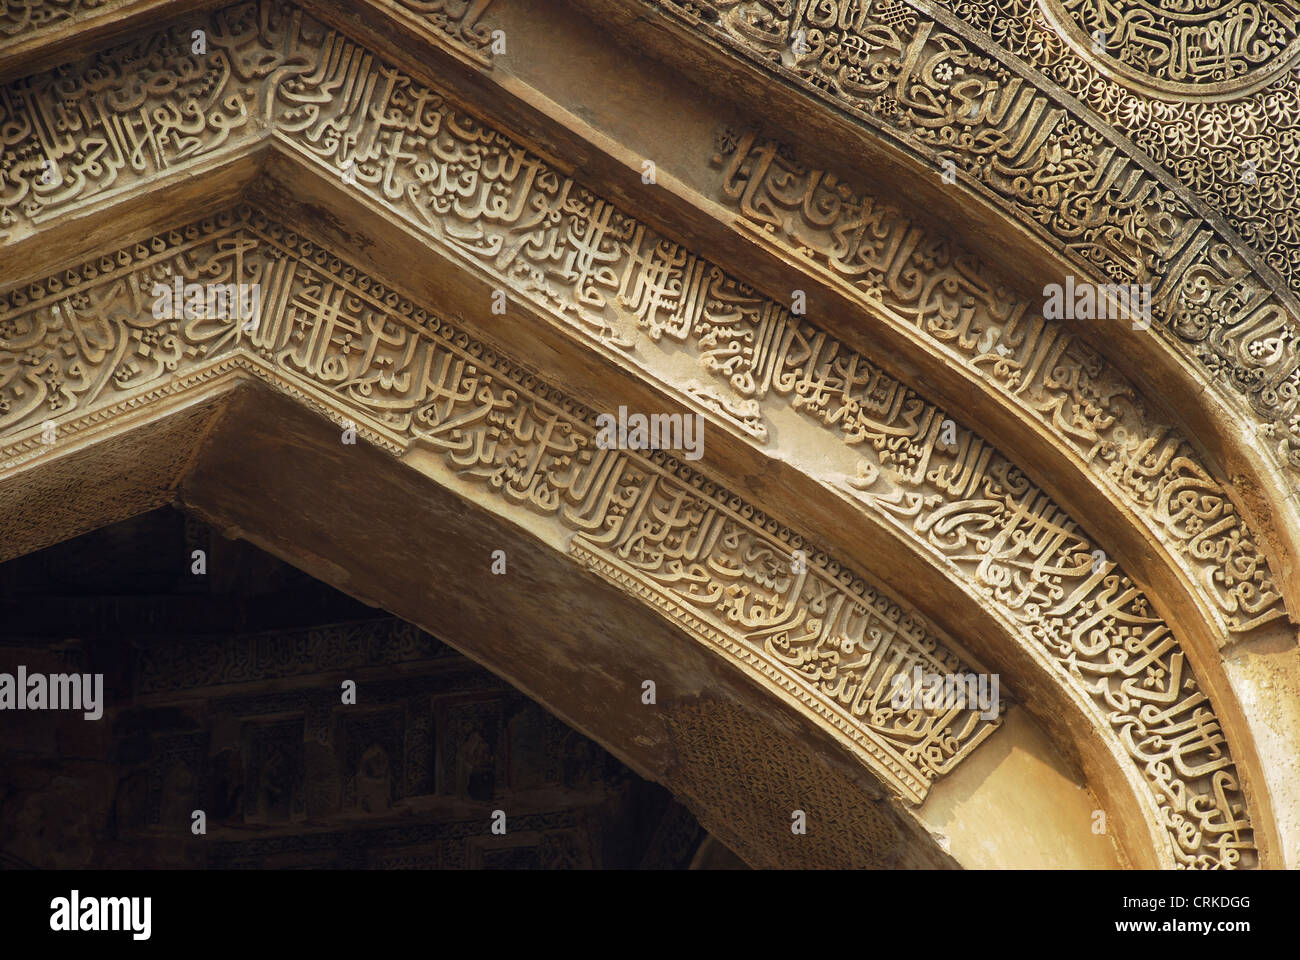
(224, 670)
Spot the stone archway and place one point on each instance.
(709, 739)
(480, 423)
(916, 524)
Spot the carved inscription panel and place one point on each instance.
(86, 345)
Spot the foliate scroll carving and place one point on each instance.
(1237, 154)
(363, 353)
(1062, 176)
(719, 566)
(1212, 48)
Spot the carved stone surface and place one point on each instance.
(402, 374)
(714, 563)
(44, 505)
(606, 273)
(1220, 307)
(246, 659)
(1231, 144)
(720, 766)
(453, 22)
(25, 17)
(964, 307)
(80, 346)
(1213, 48)
(458, 20)
(1063, 174)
